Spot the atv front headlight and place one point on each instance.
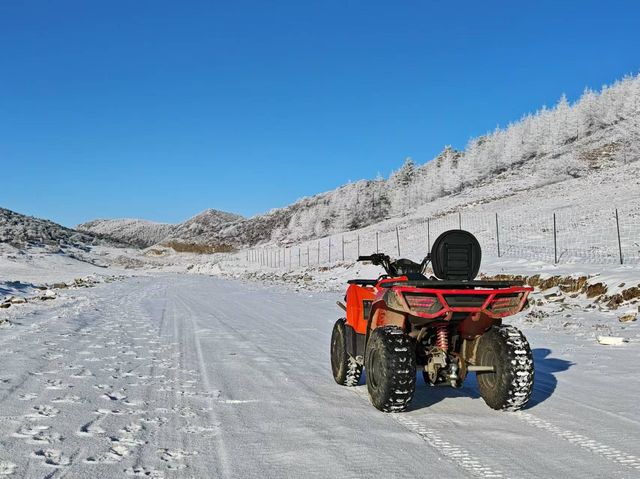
(423, 303)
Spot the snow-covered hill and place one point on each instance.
(141, 233)
(23, 231)
(42, 250)
(599, 132)
(202, 228)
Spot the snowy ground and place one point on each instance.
(194, 376)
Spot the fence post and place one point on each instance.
(318, 252)
(459, 220)
(498, 235)
(555, 241)
(398, 240)
(358, 245)
(377, 248)
(342, 247)
(299, 257)
(619, 241)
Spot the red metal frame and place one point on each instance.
(492, 295)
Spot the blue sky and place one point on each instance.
(160, 109)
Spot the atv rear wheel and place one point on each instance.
(346, 370)
(509, 386)
(390, 364)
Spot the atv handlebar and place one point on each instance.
(376, 258)
(393, 268)
(380, 259)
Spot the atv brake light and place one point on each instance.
(505, 303)
(421, 303)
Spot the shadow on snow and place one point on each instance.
(544, 385)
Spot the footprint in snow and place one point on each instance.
(82, 373)
(175, 457)
(27, 396)
(55, 384)
(91, 428)
(53, 457)
(28, 430)
(37, 434)
(140, 471)
(50, 356)
(115, 396)
(155, 420)
(7, 468)
(44, 411)
(45, 437)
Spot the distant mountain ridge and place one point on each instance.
(198, 230)
(140, 233)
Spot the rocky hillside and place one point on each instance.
(196, 232)
(140, 233)
(23, 231)
(203, 229)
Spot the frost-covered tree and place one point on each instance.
(405, 175)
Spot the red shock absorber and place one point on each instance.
(442, 337)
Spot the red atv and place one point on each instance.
(447, 325)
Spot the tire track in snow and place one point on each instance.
(452, 452)
(596, 447)
(222, 455)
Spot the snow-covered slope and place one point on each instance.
(599, 132)
(202, 229)
(141, 233)
(23, 231)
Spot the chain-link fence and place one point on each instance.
(567, 236)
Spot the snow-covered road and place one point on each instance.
(192, 376)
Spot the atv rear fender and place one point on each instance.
(383, 315)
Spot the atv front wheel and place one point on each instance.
(390, 363)
(508, 387)
(346, 370)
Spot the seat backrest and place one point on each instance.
(456, 255)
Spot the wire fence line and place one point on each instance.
(607, 236)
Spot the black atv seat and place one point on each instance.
(363, 282)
